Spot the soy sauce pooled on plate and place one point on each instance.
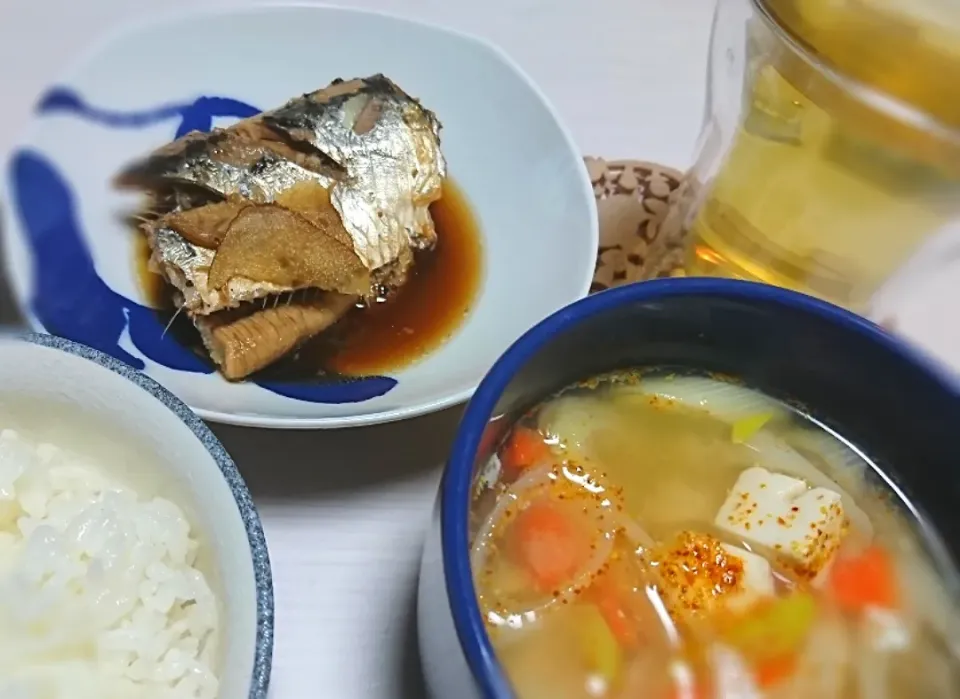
(399, 330)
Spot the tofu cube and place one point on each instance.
(756, 580)
(779, 515)
(701, 575)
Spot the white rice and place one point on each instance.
(99, 596)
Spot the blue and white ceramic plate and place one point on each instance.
(71, 256)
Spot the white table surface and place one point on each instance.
(344, 511)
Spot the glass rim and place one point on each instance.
(858, 90)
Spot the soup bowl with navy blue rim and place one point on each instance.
(885, 397)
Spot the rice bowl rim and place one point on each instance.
(263, 578)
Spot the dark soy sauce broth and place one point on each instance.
(393, 333)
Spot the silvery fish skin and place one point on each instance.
(225, 163)
(375, 147)
(389, 147)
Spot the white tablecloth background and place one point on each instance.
(344, 512)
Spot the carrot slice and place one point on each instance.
(523, 449)
(864, 580)
(774, 670)
(615, 611)
(549, 544)
(552, 547)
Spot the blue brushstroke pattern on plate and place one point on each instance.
(71, 300)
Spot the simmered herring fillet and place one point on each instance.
(364, 146)
(247, 160)
(242, 344)
(331, 192)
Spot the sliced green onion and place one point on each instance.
(744, 428)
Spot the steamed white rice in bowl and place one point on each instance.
(99, 592)
(132, 562)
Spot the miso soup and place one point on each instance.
(650, 536)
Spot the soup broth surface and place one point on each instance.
(670, 537)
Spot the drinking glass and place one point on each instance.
(831, 142)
